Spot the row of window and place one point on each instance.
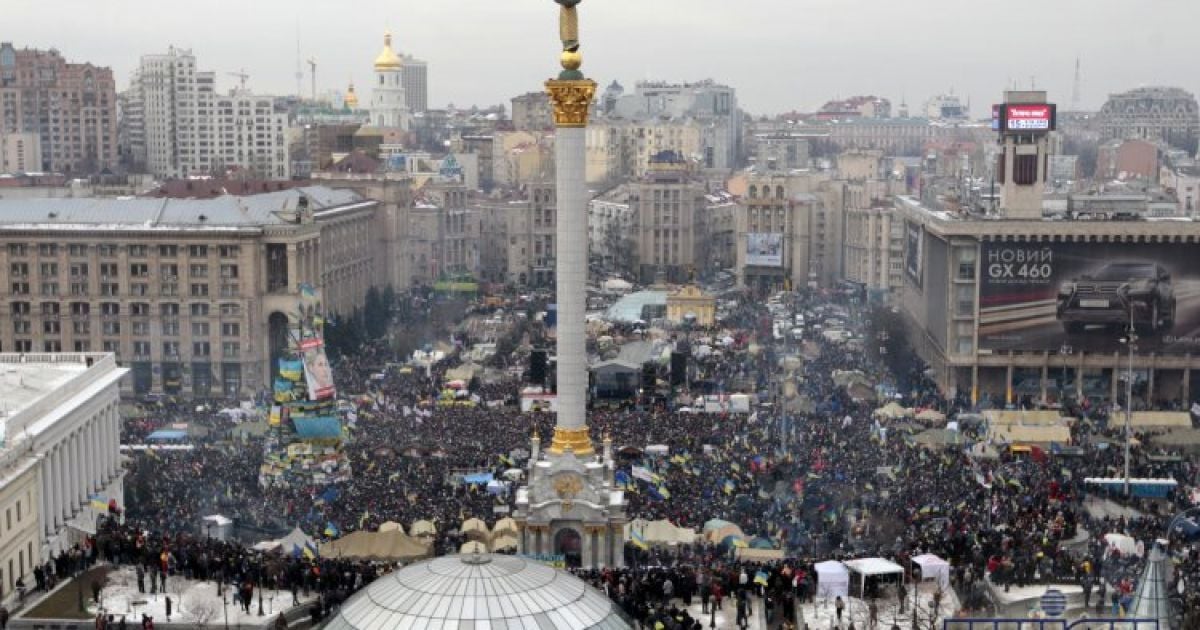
(109, 250)
(136, 309)
(110, 270)
(141, 349)
(113, 328)
(138, 289)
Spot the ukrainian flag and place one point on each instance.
(331, 530)
(638, 541)
(760, 578)
(663, 492)
(728, 487)
(310, 550)
(97, 502)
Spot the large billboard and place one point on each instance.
(764, 250)
(1042, 296)
(1026, 118)
(914, 250)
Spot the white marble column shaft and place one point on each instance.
(570, 277)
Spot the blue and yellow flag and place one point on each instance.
(760, 578)
(638, 541)
(331, 530)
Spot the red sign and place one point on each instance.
(1029, 117)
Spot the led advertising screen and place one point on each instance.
(1028, 117)
(764, 250)
(1038, 296)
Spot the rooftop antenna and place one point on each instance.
(299, 62)
(312, 64)
(1075, 91)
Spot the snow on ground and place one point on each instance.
(823, 613)
(1033, 593)
(191, 601)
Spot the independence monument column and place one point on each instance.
(571, 96)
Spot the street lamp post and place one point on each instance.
(1130, 341)
(1065, 351)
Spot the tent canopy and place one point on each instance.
(931, 415)
(389, 546)
(472, 546)
(1161, 419)
(663, 531)
(1122, 543)
(423, 528)
(505, 525)
(758, 555)
(391, 526)
(1026, 434)
(319, 428)
(933, 568)
(1027, 417)
(167, 435)
(503, 542)
(893, 410)
(873, 566)
(832, 579)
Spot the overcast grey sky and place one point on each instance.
(781, 55)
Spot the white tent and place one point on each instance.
(658, 449)
(1124, 544)
(832, 579)
(872, 567)
(933, 567)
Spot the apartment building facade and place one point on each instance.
(69, 108)
(194, 296)
(177, 125)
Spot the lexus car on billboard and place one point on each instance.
(1036, 296)
(1118, 294)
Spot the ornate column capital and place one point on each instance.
(571, 100)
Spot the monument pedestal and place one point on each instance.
(571, 508)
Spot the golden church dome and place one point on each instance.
(387, 59)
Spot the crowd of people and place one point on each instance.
(827, 482)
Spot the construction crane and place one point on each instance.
(312, 65)
(242, 76)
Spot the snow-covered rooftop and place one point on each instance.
(222, 213)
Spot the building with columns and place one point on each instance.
(61, 454)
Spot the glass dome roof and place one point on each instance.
(474, 592)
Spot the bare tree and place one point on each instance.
(201, 610)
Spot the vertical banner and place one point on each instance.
(317, 373)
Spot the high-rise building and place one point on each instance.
(70, 108)
(712, 104)
(668, 200)
(415, 78)
(389, 106)
(531, 112)
(177, 125)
